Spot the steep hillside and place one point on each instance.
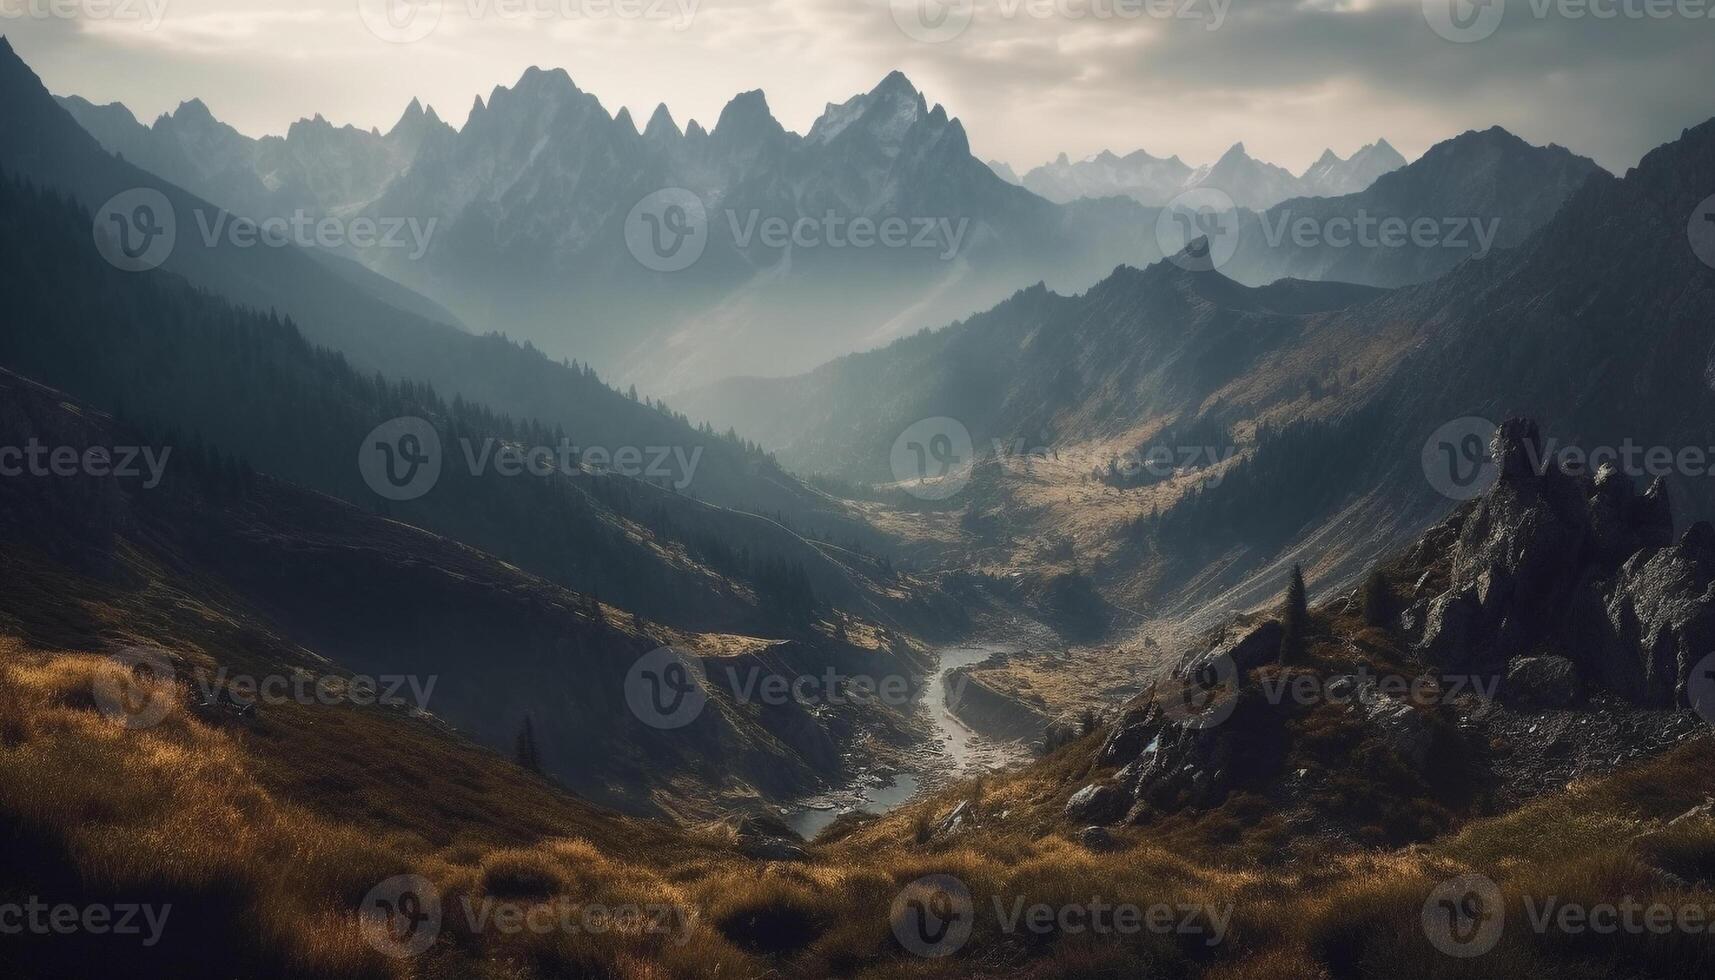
(286, 579)
(345, 307)
(1467, 196)
(1295, 416)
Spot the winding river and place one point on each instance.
(952, 751)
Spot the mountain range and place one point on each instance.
(382, 327)
(530, 201)
(1249, 182)
(1322, 395)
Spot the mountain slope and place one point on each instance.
(346, 307)
(1311, 420)
(1477, 192)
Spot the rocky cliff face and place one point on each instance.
(1556, 615)
(1583, 568)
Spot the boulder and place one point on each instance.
(1256, 648)
(1098, 803)
(1130, 735)
(1543, 682)
(955, 820)
(1656, 621)
(1097, 839)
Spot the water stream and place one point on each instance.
(952, 751)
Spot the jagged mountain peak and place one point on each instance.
(895, 84)
(661, 124)
(537, 78)
(747, 116)
(416, 116)
(886, 113)
(192, 111)
(623, 121)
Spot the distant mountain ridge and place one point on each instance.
(375, 323)
(1251, 183)
(316, 166)
(539, 204)
(1466, 196)
(532, 195)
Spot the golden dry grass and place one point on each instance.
(268, 835)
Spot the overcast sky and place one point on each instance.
(1029, 78)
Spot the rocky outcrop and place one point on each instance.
(1098, 804)
(1248, 652)
(1169, 761)
(1543, 682)
(1549, 561)
(1515, 560)
(1656, 621)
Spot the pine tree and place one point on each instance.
(1294, 619)
(525, 752)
